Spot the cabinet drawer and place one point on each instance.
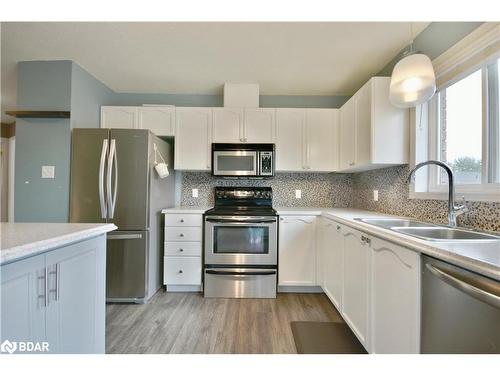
(183, 220)
(182, 270)
(184, 249)
(182, 234)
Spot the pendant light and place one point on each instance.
(413, 81)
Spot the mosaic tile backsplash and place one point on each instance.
(393, 199)
(318, 189)
(348, 190)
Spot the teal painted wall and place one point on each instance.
(87, 96)
(434, 40)
(42, 142)
(42, 85)
(51, 85)
(267, 101)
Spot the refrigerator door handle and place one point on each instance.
(112, 165)
(102, 199)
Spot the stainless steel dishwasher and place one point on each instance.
(460, 310)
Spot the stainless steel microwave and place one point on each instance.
(243, 159)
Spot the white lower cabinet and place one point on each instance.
(333, 261)
(57, 297)
(375, 285)
(182, 254)
(297, 251)
(355, 296)
(395, 298)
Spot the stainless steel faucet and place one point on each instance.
(453, 210)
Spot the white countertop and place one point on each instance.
(185, 210)
(481, 257)
(22, 240)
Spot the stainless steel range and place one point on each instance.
(241, 244)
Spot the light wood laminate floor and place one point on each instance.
(189, 323)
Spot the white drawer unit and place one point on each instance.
(182, 270)
(182, 253)
(182, 234)
(183, 220)
(183, 249)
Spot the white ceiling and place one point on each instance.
(331, 58)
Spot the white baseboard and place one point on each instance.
(184, 288)
(299, 289)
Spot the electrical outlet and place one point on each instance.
(375, 195)
(195, 193)
(48, 171)
(298, 194)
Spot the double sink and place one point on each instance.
(429, 232)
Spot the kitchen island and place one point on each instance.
(53, 281)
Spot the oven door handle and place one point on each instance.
(241, 273)
(241, 221)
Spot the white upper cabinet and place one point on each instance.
(260, 125)
(121, 117)
(159, 119)
(290, 145)
(228, 125)
(322, 153)
(249, 125)
(373, 133)
(193, 138)
(297, 252)
(307, 139)
(395, 299)
(347, 144)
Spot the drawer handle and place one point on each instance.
(182, 220)
(181, 271)
(181, 235)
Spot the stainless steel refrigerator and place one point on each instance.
(113, 180)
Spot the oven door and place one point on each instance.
(241, 240)
(235, 163)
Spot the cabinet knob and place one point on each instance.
(182, 220)
(181, 235)
(338, 227)
(181, 250)
(181, 271)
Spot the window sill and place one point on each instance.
(487, 196)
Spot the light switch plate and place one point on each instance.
(195, 193)
(298, 194)
(375, 195)
(48, 171)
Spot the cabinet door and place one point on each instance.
(193, 138)
(290, 139)
(322, 139)
(355, 296)
(395, 298)
(160, 120)
(228, 125)
(297, 253)
(347, 134)
(260, 125)
(333, 262)
(119, 117)
(363, 125)
(23, 300)
(76, 303)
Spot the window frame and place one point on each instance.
(425, 125)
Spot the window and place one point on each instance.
(461, 128)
